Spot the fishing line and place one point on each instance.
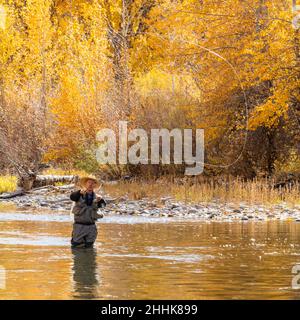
(241, 86)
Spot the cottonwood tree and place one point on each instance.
(25, 85)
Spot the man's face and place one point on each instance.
(90, 185)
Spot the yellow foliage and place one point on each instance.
(61, 57)
(8, 183)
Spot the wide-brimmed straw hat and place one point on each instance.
(82, 181)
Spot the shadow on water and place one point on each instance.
(85, 276)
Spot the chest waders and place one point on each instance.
(84, 227)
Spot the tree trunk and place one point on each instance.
(271, 154)
(46, 180)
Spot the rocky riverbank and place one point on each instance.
(57, 199)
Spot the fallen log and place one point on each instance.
(46, 180)
(46, 188)
(8, 195)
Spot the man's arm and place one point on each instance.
(75, 195)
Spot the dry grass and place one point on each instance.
(8, 183)
(63, 172)
(235, 191)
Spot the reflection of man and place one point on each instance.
(85, 273)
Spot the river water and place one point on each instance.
(147, 258)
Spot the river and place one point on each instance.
(148, 258)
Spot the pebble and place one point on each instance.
(164, 207)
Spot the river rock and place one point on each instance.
(168, 207)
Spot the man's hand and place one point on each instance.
(83, 191)
(99, 215)
(100, 201)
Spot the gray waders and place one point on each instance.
(84, 228)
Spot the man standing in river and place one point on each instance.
(85, 211)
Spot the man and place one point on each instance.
(87, 203)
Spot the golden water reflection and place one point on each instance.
(140, 260)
